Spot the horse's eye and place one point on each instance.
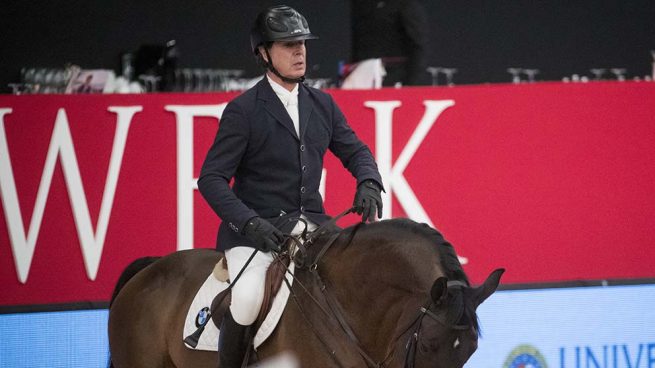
(456, 343)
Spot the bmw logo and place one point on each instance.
(201, 318)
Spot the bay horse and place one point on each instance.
(384, 294)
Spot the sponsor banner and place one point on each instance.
(552, 181)
(590, 327)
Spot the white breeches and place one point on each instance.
(248, 292)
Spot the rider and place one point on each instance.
(272, 140)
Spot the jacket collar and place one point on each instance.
(274, 106)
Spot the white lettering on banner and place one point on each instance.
(186, 182)
(392, 175)
(61, 144)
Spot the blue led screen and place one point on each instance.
(54, 339)
(587, 327)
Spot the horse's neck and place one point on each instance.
(378, 299)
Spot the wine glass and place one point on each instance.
(48, 80)
(530, 73)
(187, 77)
(516, 74)
(620, 73)
(598, 73)
(198, 83)
(17, 88)
(434, 72)
(39, 80)
(58, 81)
(150, 82)
(449, 72)
(28, 79)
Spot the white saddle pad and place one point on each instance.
(202, 303)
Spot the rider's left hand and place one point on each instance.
(368, 200)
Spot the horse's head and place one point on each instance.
(447, 331)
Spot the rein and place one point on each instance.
(300, 259)
(323, 229)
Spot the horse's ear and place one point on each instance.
(489, 286)
(439, 290)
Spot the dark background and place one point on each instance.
(480, 38)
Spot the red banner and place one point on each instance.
(555, 182)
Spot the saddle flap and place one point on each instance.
(274, 276)
(220, 306)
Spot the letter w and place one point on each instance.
(61, 144)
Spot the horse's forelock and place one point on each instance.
(470, 312)
(462, 309)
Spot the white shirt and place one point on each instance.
(289, 100)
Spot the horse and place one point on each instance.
(386, 294)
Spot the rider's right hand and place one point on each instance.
(265, 236)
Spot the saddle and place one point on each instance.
(206, 307)
(275, 273)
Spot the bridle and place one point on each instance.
(333, 310)
(412, 342)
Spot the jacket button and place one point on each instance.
(304, 168)
(302, 147)
(302, 189)
(302, 208)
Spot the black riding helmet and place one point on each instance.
(278, 23)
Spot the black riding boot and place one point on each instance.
(233, 342)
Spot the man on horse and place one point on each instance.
(271, 141)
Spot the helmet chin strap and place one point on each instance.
(270, 66)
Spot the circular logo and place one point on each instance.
(201, 318)
(525, 356)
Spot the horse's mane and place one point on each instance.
(129, 272)
(448, 258)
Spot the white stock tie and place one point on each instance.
(292, 108)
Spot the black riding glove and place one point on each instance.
(368, 200)
(266, 236)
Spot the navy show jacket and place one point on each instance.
(276, 173)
